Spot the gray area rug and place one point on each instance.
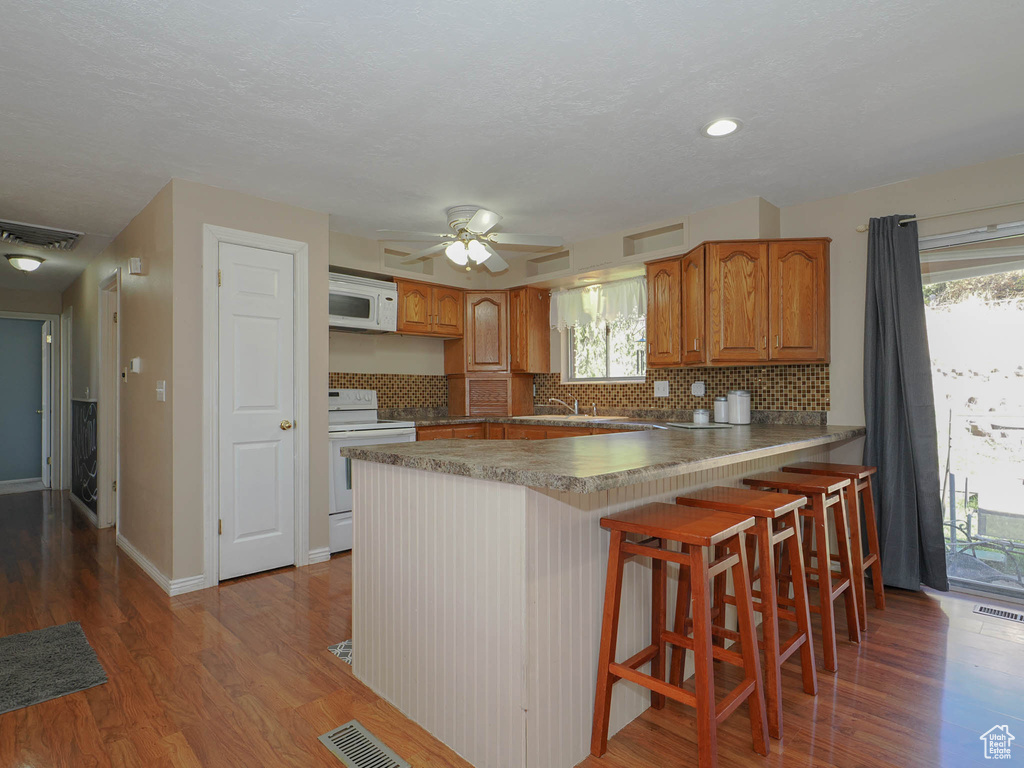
(41, 665)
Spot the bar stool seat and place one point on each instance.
(826, 494)
(858, 490)
(776, 522)
(694, 529)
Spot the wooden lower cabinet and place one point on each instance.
(486, 430)
(525, 432)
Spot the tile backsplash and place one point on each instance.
(396, 390)
(772, 388)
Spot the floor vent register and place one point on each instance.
(356, 747)
(999, 613)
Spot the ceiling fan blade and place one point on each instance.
(495, 263)
(482, 221)
(504, 238)
(400, 236)
(425, 252)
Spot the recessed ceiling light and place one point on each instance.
(724, 126)
(24, 263)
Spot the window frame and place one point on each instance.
(568, 340)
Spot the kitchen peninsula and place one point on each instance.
(478, 573)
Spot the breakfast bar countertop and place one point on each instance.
(600, 462)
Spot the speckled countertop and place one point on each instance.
(599, 462)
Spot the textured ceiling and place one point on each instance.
(567, 117)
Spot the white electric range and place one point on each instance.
(352, 420)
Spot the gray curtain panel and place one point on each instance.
(900, 411)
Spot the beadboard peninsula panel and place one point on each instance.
(439, 609)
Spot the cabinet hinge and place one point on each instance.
(220, 527)
(47, 461)
(218, 278)
(115, 317)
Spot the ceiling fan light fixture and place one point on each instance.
(24, 263)
(457, 252)
(477, 253)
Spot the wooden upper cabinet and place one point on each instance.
(486, 331)
(737, 298)
(414, 307)
(799, 300)
(529, 341)
(692, 312)
(663, 306)
(448, 310)
(429, 310)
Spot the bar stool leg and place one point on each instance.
(704, 676)
(856, 553)
(659, 585)
(823, 570)
(795, 558)
(769, 624)
(872, 525)
(839, 515)
(748, 644)
(679, 626)
(609, 633)
(718, 600)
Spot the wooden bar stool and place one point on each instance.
(776, 522)
(694, 529)
(859, 488)
(825, 493)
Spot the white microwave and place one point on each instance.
(362, 304)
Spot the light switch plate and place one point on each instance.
(161, 391)
(661, 389)
(697, 389)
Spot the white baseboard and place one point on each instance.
(19, 481)
(187, 584)
(78, 504)
(321, 555)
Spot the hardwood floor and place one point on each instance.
(240, 675)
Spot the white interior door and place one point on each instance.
(47, 339)
(256, 401)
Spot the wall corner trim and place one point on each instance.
(187, 584)
(320, 555)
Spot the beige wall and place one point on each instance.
(196, 205)
(974, 186)
(38, 302)
(146, 426)
(386, 353)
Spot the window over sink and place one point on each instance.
(608, 351)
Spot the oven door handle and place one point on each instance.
(361, 433)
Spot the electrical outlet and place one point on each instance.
(697, 389)
(661, 389)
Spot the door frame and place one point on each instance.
(108, 402)
(213, 236)
(55, 392)
(64, 337)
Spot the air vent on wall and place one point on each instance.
(19, 233)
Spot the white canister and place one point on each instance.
(701, 416)
(739, 406)
(721, 410)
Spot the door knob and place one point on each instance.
(39, 411)
(286, 424)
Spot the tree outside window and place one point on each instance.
(616, 350)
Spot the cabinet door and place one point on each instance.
(414, 307)
(433, 433)
(692, 319)
(799, 308)
(554, 432)
(518, 330)
(447, 308)
(486, 331)
(663, 305)
(737, 295)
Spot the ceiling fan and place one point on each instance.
(469, 241)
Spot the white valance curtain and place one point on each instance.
(595, 304)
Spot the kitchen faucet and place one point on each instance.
(575, 407)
